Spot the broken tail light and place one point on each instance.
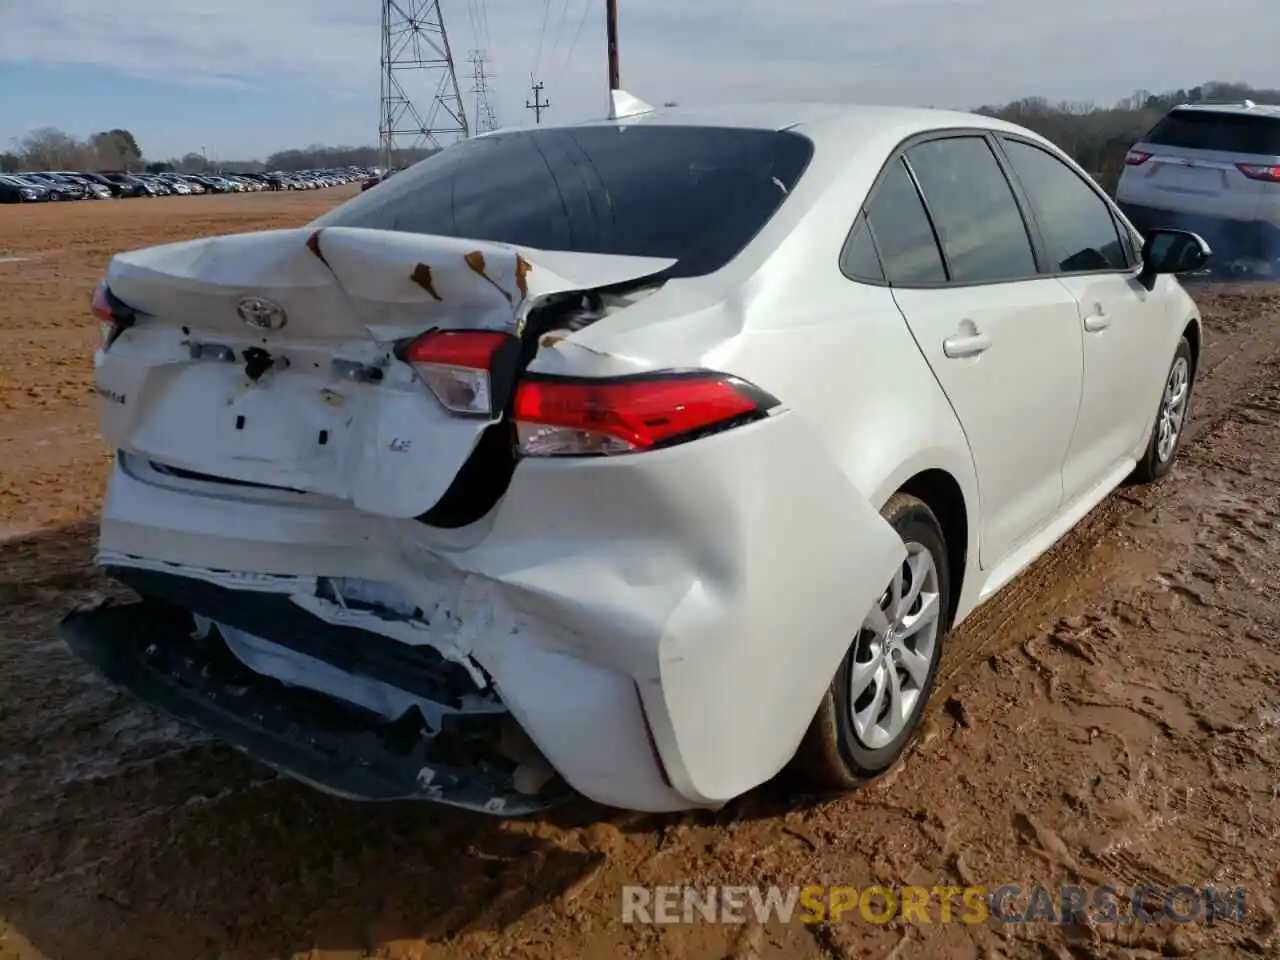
(1266, 172)
(572, 416)
(466, 370)
(113, 317)
(1136, 158)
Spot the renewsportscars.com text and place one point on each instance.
(1007, 903)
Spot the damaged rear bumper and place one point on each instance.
(662, 626)
(153, 650)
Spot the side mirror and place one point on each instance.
(1172, 251)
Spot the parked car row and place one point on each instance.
(78, 185)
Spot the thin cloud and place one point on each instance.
(942, 52)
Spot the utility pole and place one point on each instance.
(611, 27)
(538, 104)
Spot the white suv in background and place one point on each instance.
(1213, 169)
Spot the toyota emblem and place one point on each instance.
(261, 313)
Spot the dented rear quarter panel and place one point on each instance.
(836, 352)
(726, 577)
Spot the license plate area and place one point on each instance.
(286, 420)
(1187, 179)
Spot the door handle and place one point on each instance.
(962, 345)
(1096, 322)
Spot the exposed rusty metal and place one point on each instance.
(523, 269)
(475, 260)
(422, 277)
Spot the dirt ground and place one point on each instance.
(1112, 718)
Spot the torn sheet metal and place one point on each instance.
(150, 650)
(337, 300)
(343, 282)
(448, 619)
(299, 670)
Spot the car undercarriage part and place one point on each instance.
(456, 746)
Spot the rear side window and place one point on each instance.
(979, 224)
(1076, 224)
(1228, 132)
(903, 236)
(859, 259)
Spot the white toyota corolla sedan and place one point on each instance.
(638, 458)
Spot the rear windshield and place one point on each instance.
(697, 195)
(1228, 132)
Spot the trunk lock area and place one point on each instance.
(258, 361)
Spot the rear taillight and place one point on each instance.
(464, 369)
(113, 317)
(1136, 158)
(570, 416)
(1268, 173)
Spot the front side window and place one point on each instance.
(977, 218)
(696, 195)
(1076, 224)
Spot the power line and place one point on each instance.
(577, 35)
(484, 23)
(557, 35)
(542, 35)
(538, 104)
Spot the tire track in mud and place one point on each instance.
(1111, 717)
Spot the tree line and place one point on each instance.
(52, 149)
(314, 157)
(1096, 136)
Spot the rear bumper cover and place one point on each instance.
(662, 626)
(149, 649)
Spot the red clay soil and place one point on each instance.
(1113, 718)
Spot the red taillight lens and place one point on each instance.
(1260, 171)
(110, 322)
(457, 367)
(563, 416)
(1136, 158)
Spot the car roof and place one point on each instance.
(819, 121)
(1245, 107)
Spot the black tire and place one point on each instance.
(1153, 466)
(832, 754)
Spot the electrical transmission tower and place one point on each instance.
(485, 118)
(421, 100)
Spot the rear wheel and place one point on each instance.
(1171, 418)
(873, 707)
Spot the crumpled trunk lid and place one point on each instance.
(268, 358)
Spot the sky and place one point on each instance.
(242, 78)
